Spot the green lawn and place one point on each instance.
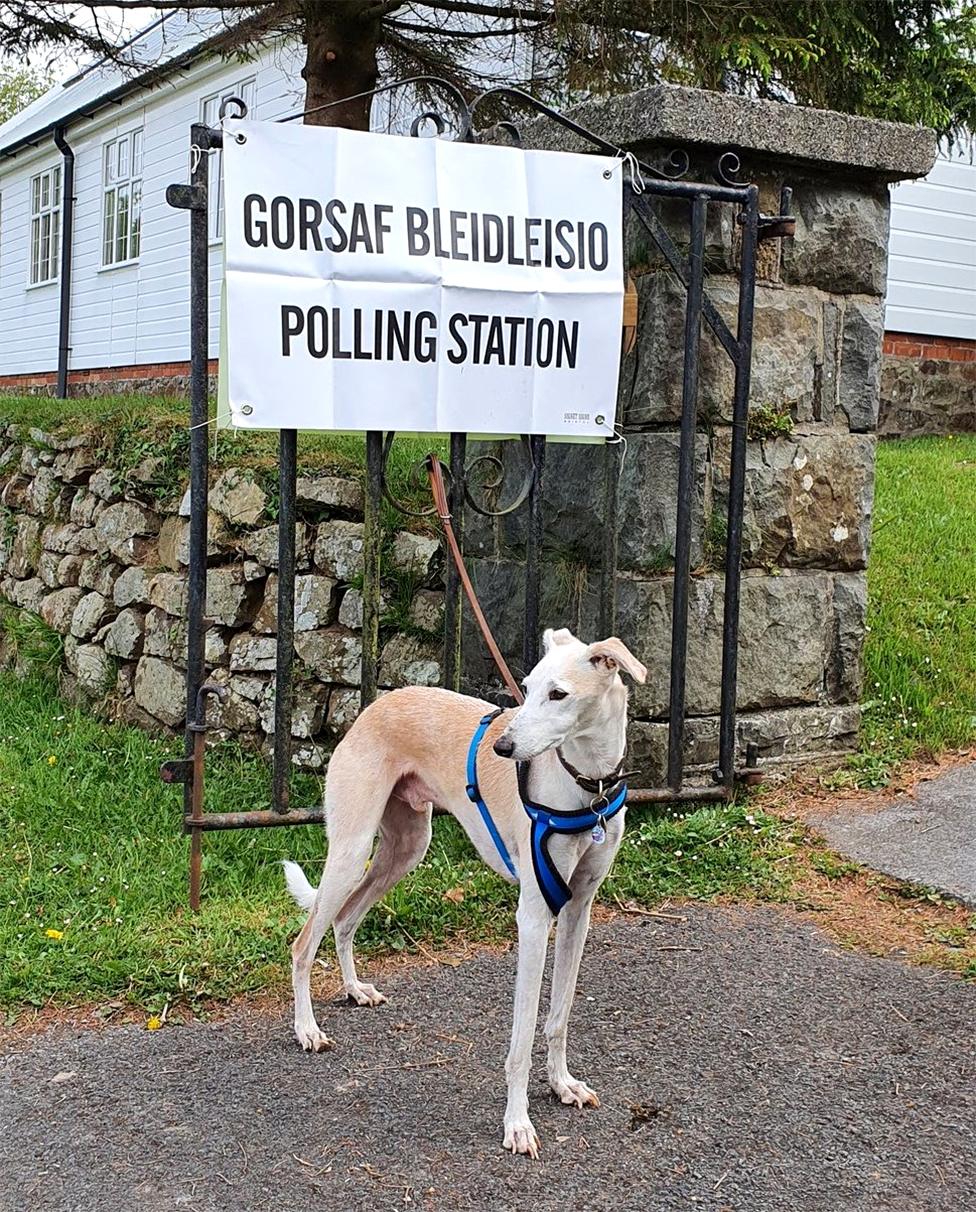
(93, 868)
(920, 681)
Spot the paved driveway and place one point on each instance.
(758, 1069)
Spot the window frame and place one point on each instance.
(121, 180)
(246, 88)
(45, 197)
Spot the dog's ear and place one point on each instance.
(550, 637)
(611, 653)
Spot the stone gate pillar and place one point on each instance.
(814, 410)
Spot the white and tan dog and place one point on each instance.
(408, 751)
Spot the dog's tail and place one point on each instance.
(301, 890)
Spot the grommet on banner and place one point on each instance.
(628, 160)
(246, 410)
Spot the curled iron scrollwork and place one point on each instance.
(482, 482)
(726, 169)
(676, 165)
(492, 469)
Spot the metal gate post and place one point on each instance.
(686, 489)
(285, 645)
(452, 582)
(737, 476)
(193, 197)
(372, 567)
(533, 555)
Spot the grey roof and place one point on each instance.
(167, 44)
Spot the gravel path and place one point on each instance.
(770, 1071)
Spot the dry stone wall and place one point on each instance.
(100, 555)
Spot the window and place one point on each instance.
(45, 231)
(210, 116)
(122, 214)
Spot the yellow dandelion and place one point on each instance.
(52, 760)
(153, 1023)
(55, 934)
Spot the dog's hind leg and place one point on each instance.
(354, 808)
(404, 838)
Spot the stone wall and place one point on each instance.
(817, 364)
(100, 554)
(928, 386)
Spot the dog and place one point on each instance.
(405, 753)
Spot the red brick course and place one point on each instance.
(101, 374)
(939, 349)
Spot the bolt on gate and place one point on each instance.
(642, 184)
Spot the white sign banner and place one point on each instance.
(379, 282)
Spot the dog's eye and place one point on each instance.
(555, 694)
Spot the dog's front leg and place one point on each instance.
(534, 921)
(571, 931)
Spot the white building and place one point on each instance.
(121, 309)
(128, 138)
(932, 251)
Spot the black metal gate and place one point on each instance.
(642, 183)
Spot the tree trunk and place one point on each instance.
(340, 62)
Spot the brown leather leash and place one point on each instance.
(444, 513)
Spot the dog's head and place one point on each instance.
(573, 690)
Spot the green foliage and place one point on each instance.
(905, 60)
(31, 643)
(765, 421)
(19, 86)
(920, 681)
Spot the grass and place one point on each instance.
(130, 428)
(93, 870)
(920, 658)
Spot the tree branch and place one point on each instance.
(505, 12)
(441, 32)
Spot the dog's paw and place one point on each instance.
(313, 1040)
(365, 995)
(574, 1093)
(521, 1137)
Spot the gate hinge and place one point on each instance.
(177, 771)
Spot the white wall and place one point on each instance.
(932, 252)
(129, 314)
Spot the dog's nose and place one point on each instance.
(504, 747)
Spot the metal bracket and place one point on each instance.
(176, 772)
(775, 227)
(186, 197)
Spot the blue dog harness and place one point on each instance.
(545, 821)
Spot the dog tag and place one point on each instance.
(599, 834)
